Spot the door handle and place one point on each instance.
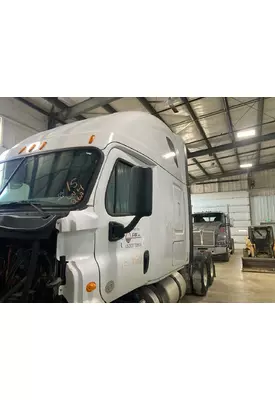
(146, 258)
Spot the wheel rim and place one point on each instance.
(212, 269)
(205, 277)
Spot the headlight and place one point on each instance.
(221, 240)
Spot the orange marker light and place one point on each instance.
(90, 287)
(92, 138)
(42, 145)
(23, 149)
(32, 147)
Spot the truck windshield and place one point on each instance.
(59, 178)
(207, 217)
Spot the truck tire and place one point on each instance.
(211, 272)
(199, 276)
(186, 274)
(147, 295)
(232, 250)
(225, 256)
(210, 267)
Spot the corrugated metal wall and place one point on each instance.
(263, 198)
(237, 183)
(18, 122)
(263, 209)
(246, 206)
(23, 114)
(239, 210)
(264, 179)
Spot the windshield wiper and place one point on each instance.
(37, 206)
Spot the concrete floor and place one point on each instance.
(234, 286)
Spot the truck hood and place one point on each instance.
(207, 226)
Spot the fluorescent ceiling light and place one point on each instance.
(246, 165)
(246, 133)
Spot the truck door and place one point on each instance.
(122, 264)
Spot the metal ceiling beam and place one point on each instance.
(240, 154)
(200, 167)
(260, 128)
(191, 176)
(85, 106)
(151, 109)
(230, 126)
(223, 181)
(261, 167)
(33, 106)
(200, 129)
(198, 164)
(110, 109)
(195, 120)
(214, 113)
(178, 105)
(230, 146)
(39, 109)
(62, 106)
(51, 119)
(222, 135)
(56, 102)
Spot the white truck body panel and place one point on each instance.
(118, 267)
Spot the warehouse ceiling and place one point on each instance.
(210, 126)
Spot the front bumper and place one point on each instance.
(215, 251)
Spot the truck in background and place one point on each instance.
(99, 211)
(211, 232)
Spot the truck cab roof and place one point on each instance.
(139, 131)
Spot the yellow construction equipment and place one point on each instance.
(259, 251)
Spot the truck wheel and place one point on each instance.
(210, 268)
(232, 250)
(200, 278)
(226, 256)
(211, 272)
(147, 295)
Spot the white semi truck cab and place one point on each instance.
(98, 211)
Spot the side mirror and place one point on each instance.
(231, 223)
(141, 192)
(140, 202)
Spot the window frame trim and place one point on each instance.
(119, 159)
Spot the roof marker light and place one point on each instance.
(23, 149)
(42, 145)
(32, 147)
(91, 139)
